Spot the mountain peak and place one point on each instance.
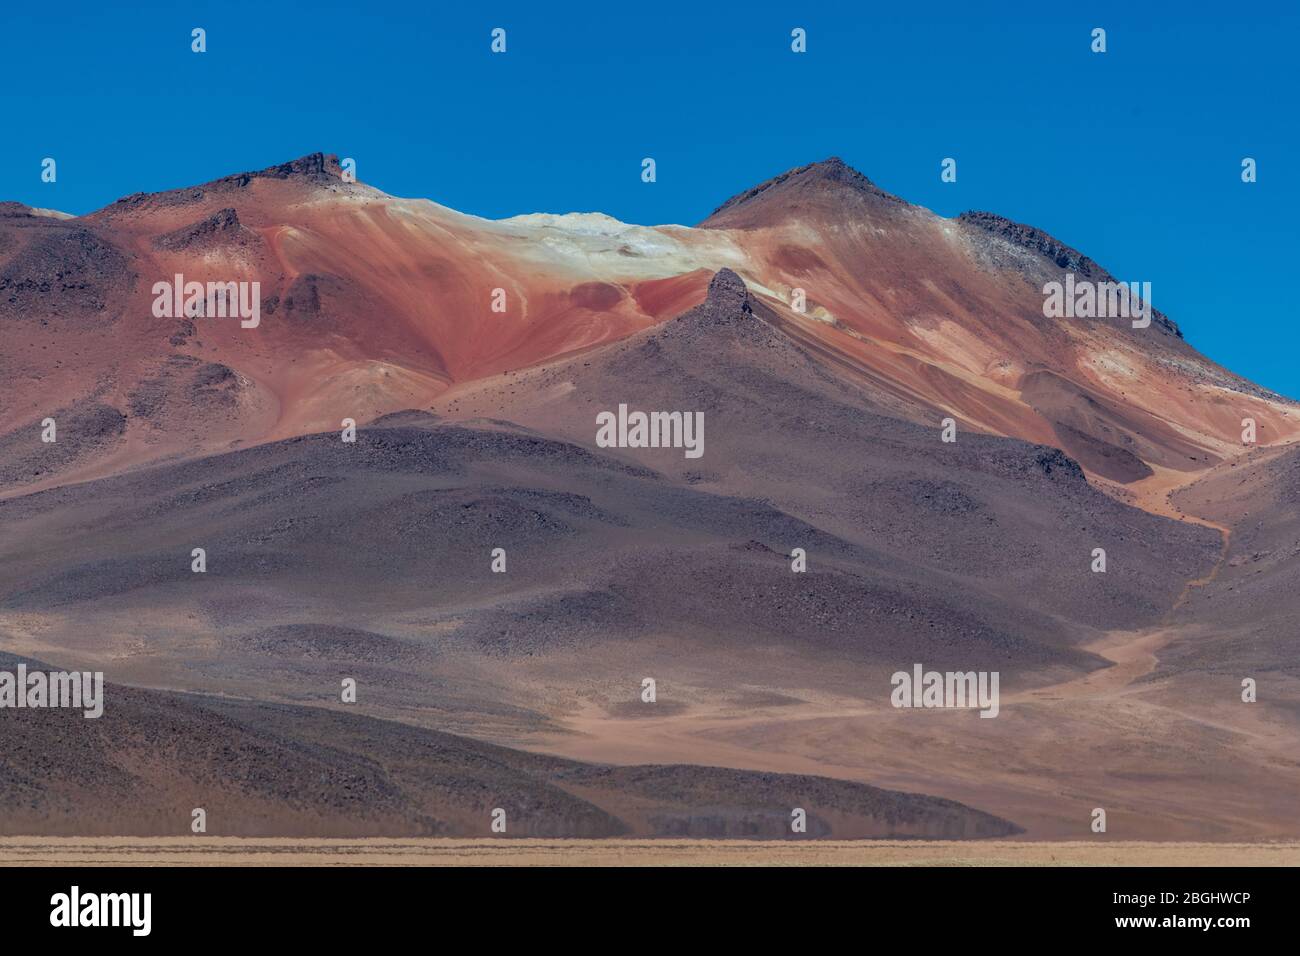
(803, 188)
(312, 166)
(314, 169)
(317, 168)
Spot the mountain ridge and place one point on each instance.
(374, 304)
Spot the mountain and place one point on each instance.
(372, 304)
(947, 315)
(820, 429)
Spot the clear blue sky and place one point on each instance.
(1132, 156)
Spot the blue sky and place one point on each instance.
(1133, 156)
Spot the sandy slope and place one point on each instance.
(1162, 754)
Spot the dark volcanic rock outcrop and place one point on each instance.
(1058, 253)
(221, 228)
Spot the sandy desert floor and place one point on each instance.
(219, 851)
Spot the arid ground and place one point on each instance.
(219, 851)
